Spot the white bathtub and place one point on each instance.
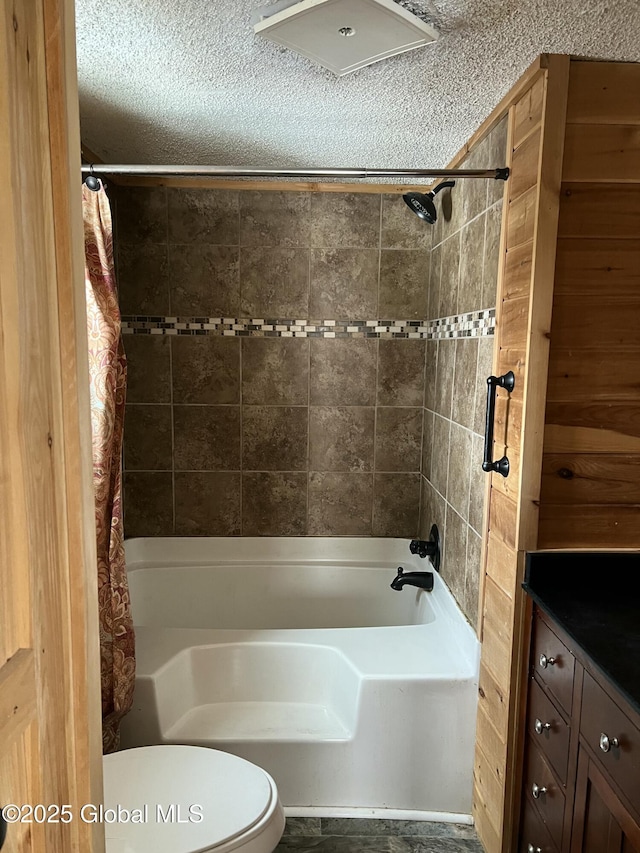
(295, 654)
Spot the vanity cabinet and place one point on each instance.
(602, 823)
(581, 781)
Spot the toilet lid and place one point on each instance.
(181, 799)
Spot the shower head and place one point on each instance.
(422, 204)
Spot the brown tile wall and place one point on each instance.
(464, 270)
(272, 436)
(281, 436)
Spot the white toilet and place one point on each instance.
(188, 799)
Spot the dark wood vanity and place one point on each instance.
(581, 777)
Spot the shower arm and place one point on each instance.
(105, 169)
(443, 186)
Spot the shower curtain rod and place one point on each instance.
(232, 171)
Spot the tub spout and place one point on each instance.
(423, 580)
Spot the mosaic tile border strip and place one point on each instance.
(472, 325)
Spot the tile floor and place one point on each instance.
(349, 835)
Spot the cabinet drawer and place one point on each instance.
(541, 785)
(534, 838)
(553, 663)
(548, 730)
(601, 719)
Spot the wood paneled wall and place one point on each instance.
(567, 325)
(591, 465)
(525, 288)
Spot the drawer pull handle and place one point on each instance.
(607, 742)
(545, 661)
(532, 849)
(540, 727)
(536, 790)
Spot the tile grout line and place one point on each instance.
(171, 394)
(241, 398)
(264, 471)
(173, 440)
(272, 406)
(375, 439)
(308, 472)
(308, 414)
(473, 433)
(484, 252)
(241, 371)
(301, 248)
(424, 364)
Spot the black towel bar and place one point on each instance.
(507, 382)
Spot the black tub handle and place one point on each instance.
(508, 382)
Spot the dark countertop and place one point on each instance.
(595, 598)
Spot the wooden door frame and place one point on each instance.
(64, 135)
(42, 104)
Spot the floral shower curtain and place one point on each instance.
(108, 374)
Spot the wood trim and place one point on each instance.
(541, 298)
(502, 277)
(82, 592)
(48, 538)
(500, 521)
(530, 231)
(534, 397)
(266, 185)
(34, 481)
(522, 616)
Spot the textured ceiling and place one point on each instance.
(163, 81)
